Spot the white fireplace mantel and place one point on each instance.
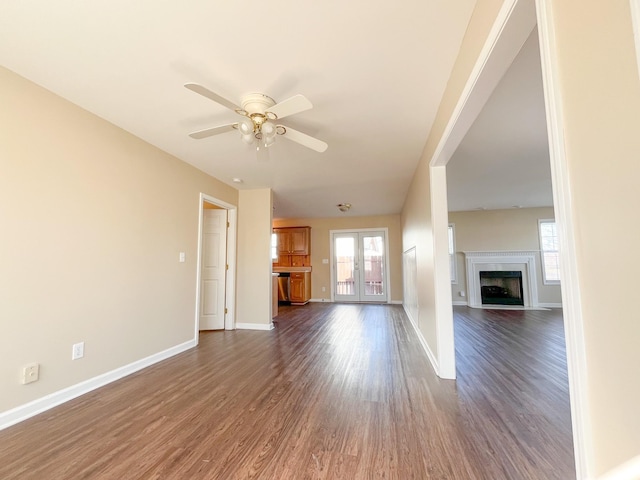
(514, 260)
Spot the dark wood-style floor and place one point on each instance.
(335, 391)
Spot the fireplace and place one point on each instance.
(503, 278)
(499, 287)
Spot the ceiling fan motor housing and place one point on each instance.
(256, 104)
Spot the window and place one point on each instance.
(452, 254)
(274, 246)
(635, 18)
(549, 254)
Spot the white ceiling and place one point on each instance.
(374, 70)
(503, 161)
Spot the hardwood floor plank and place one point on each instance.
(335, 391)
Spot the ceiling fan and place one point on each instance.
(258, 123)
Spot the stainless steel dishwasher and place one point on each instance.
(283, 287)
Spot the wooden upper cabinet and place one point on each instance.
(299, 241)
(284, 240)
(293, 240)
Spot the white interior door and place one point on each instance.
(359, 272)
(213, 269)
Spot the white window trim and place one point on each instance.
(635, 18)
(274, 247)
(453, 260)
(544, 271)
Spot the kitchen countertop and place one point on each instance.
(291, 269)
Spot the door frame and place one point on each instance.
(387, 273)
(513, 24)
(230, 280)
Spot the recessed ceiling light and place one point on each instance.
(237, 180)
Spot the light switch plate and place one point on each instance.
(77, 351)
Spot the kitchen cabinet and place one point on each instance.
(294, 247)
(293, 241)
(300, 288)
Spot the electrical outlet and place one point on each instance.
(182, 257)
(77, 351)
(30, 373)
(462, 294)
(324, 289)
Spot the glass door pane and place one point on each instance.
(345, 258)
(373, 261)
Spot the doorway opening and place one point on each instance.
(514, 23)
(215, 292)
(359, 265)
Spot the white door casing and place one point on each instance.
(213, 269)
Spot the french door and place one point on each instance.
(359, 266)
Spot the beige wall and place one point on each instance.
(416, 219)
(93, 220)
(513, 229)
(320, 244)
(254, 258)
(417, 233)
(599, 91)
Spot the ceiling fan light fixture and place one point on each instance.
(268, 129)
(246, 126)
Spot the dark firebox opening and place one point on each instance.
(501, 288)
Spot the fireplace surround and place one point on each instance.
(496, 261)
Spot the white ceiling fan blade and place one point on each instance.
(210, 132)
(303, 139)
(205, 92)
(291, 106)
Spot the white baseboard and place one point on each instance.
(28, 410)
(540, 305)
(327, 300)
(425, 346)
(254, 326)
